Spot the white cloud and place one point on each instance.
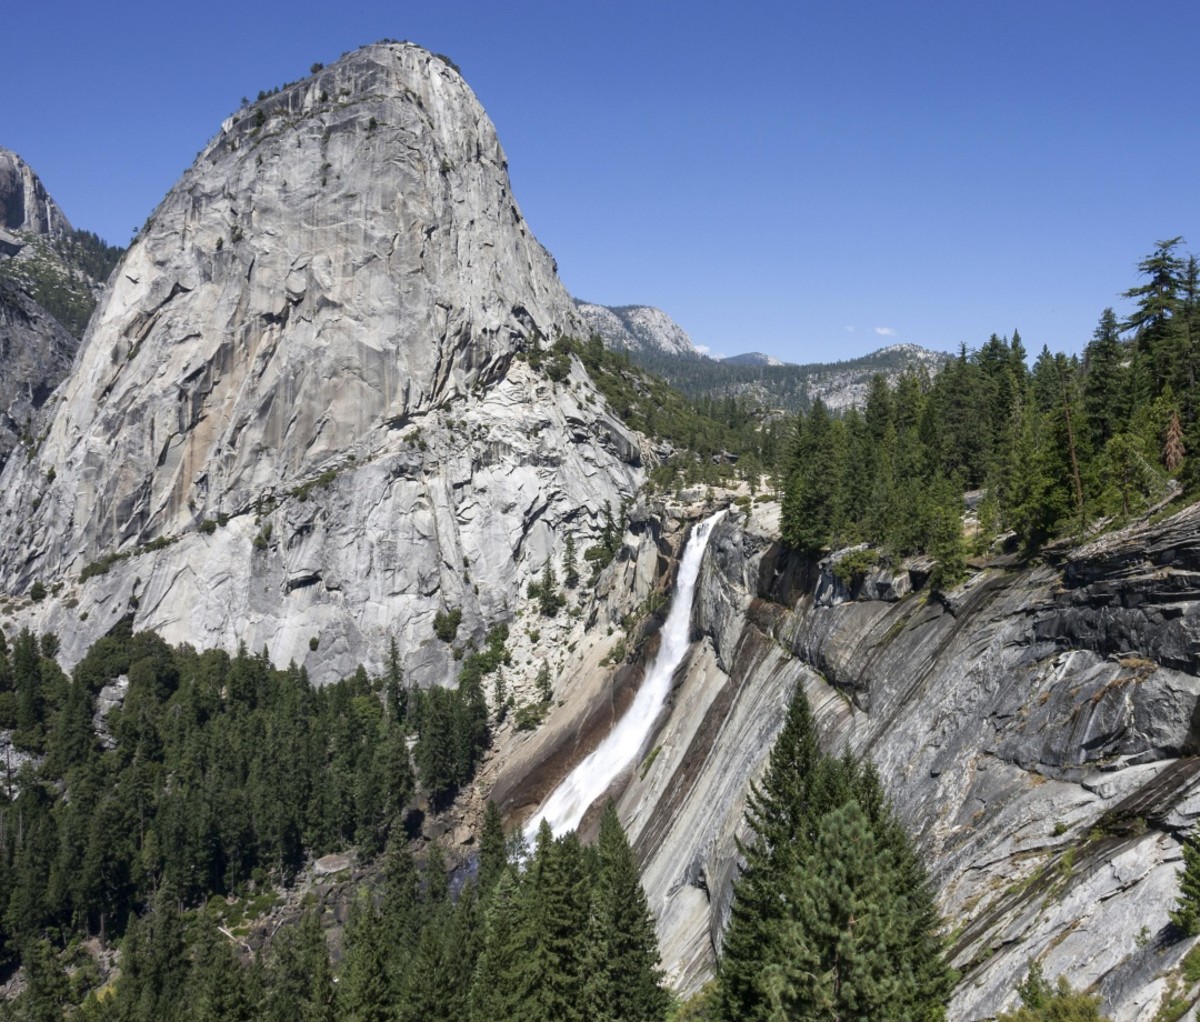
(704, 349)
(885, 331)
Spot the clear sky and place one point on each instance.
(812, 180)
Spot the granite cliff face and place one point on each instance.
(36, 349)
(35, 355)
(1035, 727)
(25, 205)
(637, 328)
(299, 417)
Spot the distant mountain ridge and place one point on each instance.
(638, 329)
(765, 380)
(843, 384)
(754, 358)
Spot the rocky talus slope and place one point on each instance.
(1035, 727)
(299, 416)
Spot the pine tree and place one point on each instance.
(812, 494)
(550, 923)
(300, 984)
(941, 519)
(400, 907)
(776, 811)
(494, 994)
(438, 980)
(362, 994)
(840, 950)
(543, 683)
(30, 700)
(218, 985)
(1106, 385)
(622, 979)
(493, 849)
(832, 914)
(608, 529)
(46, 987)
(1125, 467)
(1186, 914)
(1160, 331)
(570, 563)
(435, 751)
(396, 692)
(550, 600)
(500, 696)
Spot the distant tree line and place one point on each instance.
(783, 387)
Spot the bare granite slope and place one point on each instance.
(1035, 727)
(636, 328)
(299, 417)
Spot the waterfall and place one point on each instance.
(565, 807)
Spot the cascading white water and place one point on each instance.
(565, 807)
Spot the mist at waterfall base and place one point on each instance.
(565, 808)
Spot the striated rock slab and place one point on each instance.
(1046, 778)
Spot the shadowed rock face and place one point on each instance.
(316, 332)
(1036, 729)
(35, 355)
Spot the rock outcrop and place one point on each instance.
(299, 416)
(36, 262)
(641, 329)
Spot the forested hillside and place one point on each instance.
(198, 801)
(204, 795)
(63, 274)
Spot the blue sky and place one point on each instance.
(812, 180)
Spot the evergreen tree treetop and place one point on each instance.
(832, 916)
